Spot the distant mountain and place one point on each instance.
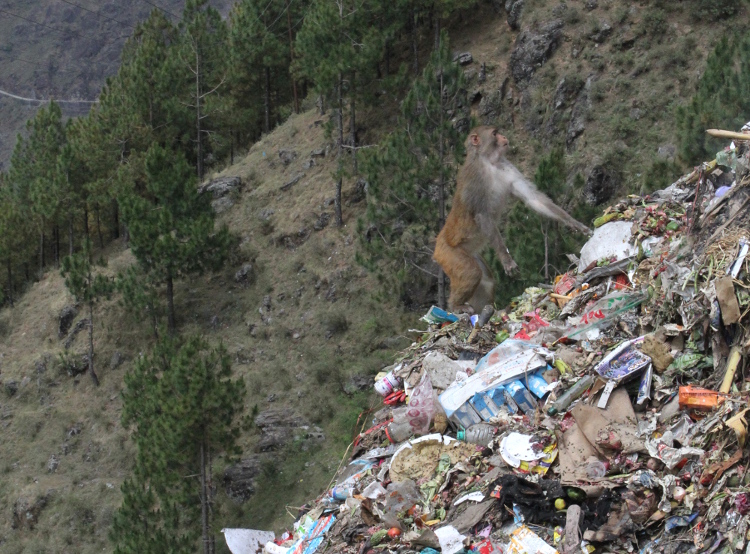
(64, 50)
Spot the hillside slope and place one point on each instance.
(302, 329)
(294, 310)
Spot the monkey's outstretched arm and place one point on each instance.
(542, 204)
(489, 229)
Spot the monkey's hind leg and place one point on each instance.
(464, 272)
(485, 292)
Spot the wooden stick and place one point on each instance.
(727, 134)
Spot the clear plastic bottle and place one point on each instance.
(596, 469)
(479, 433)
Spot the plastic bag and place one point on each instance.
(420, 411)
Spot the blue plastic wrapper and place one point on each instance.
(679, 521)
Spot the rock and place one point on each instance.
(222, 204)
(601, 32)
(67, 315)
(80, 325)
(322, 221)
(601, 184)
(293, 181)
(565, 93)
(11, 387)
(53, 463)
(266, 213)
(591, 5)
(318, 153)
(221, 186)
(667, 152)
(245, 274)
(358, 383)
(239, 479)
(287, 156)
(566, 90)
(635, 113)
(277, 427)
(463, 58)
(577, 123)
(308, 164)
(360, 191)
(26, 509)
(533, 48)
(490, 107)
(116, 360)
(513, 8)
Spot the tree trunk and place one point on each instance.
(387, 57)
(170, 305)
(10, 280)
(56, 237)
(86, 222)
(199, 137)
(91, 341)
(291, 55)
(116, 217)
(70, 235)
(437, 33)
(267, 99)
(414, 42)
(204, 500)
(99, 229)
(41, 253)
(339, 182)
(441, 185)
(353, 123)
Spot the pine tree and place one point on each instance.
(410, 175)
(183, 407)
(172, 226)
(35, 172)
(338, 47)
(721, 101)
(202, 52)
(14, 230)
(88, 287)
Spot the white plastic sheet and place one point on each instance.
(247, 541)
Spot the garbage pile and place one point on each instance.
(606, 412)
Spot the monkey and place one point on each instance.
(486, 183)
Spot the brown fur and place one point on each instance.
(485, 182)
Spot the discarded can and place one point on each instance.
(388, 384)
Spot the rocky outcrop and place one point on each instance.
(239, 479)
(533, 48)
(601, 184)
(67, 315)
(221, 186)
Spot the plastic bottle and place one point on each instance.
(571, 394)
(479, 433)
(399, 430)
(596, 469)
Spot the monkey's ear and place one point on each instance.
(474, 139)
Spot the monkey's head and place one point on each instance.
(486, 142)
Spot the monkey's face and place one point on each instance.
(490, 144)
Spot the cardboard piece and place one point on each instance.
(738, 424)
(615, 424)
(575, 451)
(730, 308)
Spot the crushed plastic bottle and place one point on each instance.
(479, 433)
